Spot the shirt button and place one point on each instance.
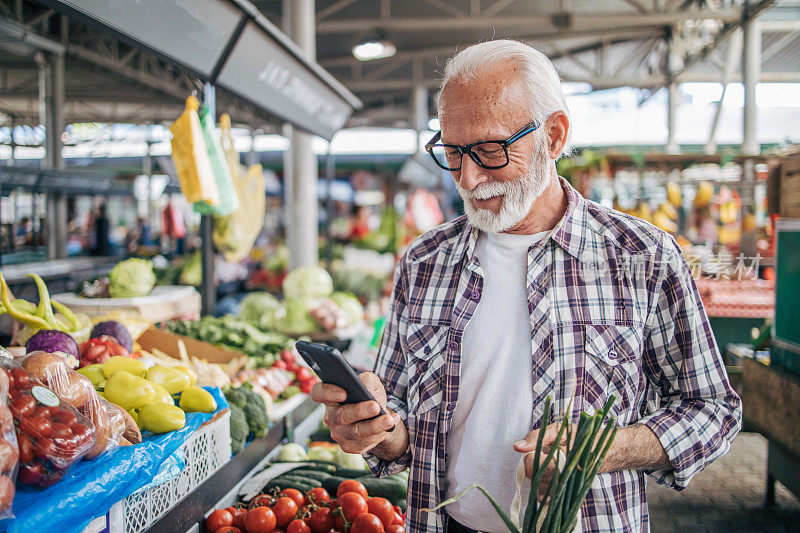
(427, 350)
(476, 295)
(453, 345)
(451, 406)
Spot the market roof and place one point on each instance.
(605, 43)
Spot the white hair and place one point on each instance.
(539, 76)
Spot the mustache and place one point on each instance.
(485, 191)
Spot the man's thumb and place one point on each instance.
(528, 444)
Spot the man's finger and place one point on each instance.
(370, 429)
(527, 444)
(327, 393)
(373, 384)
(352, 413)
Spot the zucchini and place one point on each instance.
(281, 483)
(390, 489)
(401, 504)
(302, 479)
(311, 474)
(332, 484)
(350, 473)
(322, 466)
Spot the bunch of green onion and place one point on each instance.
(586, 447)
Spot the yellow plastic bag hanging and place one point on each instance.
(228, 201)
(191, 156)
(235, 234)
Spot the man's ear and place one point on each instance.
(557, 129)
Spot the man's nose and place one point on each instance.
(471, 174)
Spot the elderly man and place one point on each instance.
(535, 292)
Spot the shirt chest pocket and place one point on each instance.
(426, 351)
(612, 365)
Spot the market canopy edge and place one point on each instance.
(231, 43)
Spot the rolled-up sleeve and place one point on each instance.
(390, 367)
(699, 413)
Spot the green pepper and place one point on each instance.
(161, 418)
(68, 314)
(45, 309)
(94, 373)
(29, 319)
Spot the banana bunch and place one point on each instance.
(674, 194)
(704, 193)
(728, 212)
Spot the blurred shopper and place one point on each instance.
(534, 293)
(173, 228)
(102, 232)
(360, 218)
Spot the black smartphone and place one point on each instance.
(331, 367)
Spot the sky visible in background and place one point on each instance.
(600, 118)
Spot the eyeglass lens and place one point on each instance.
(490, 155)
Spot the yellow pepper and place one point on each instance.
(129, 391)
(172, 379)
(161, 418)
(121, 362)
(197, 399)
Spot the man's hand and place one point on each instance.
(634, 448)
(351, 426)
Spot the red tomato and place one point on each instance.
(280, 364)
(43, 411)
(353, 504)
(10, 379)
(303, 374)
(82, 433)
(35, 427)
(317, 495)
(65, 416)
(61, 431)
(9, 456)
(287, 356)
(382, 508)
(31, 474)
(23, 405)
(398, 519)
(6, 493)
(25, 449)
(338, 521)
(296, 495)
(291, 366)
(298, 526)
(395, 529)
(397, 509)
(366, 523)
(321, 521)
(351, 485)
(262, 501)
(219, 519)
(285, 509)
(20, 378)
(259, 520)
(228, 529)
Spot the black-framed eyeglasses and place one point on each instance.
(487, 154)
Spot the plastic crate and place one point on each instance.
(203, 454)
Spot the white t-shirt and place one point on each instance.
(495, 393)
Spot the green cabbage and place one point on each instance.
(295, 317)
(308, 282)
(349, 460)
(322, 454)
(131, 278)
(256, 304)
(292, 452)
(350, 306)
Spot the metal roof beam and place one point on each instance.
(577, 21)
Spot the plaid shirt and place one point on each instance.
(613, 309)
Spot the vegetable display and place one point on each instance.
(51, 434)
(9, 452)
(253, 407)
(587, 445)
(313, 498)
(114, 330)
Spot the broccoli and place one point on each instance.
(239, 427)
(254, 409)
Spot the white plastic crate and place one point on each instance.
(206, 451)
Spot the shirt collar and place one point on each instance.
(568, 233)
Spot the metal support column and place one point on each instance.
(673, 99)
(420, 117)
(303, 208)
(734, 52)
(208, 288)
(51, 114)
(751, 73)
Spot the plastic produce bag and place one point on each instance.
(235, 234)
(191, 159)
(9, 453)
(51, 434)
(228, 201)
(78, 392)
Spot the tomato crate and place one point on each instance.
(205, 452)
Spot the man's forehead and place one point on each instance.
(470, 113)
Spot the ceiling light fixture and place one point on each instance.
(374, 46)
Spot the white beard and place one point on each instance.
(518, 196)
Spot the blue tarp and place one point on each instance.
(92, 487)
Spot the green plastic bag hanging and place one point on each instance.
(228, 200)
